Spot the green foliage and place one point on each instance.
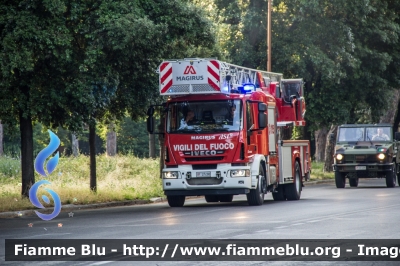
(133, 138)
(346, 51)
(70, 62)
(120, 178)
(9, 167)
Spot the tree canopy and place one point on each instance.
(345, 50)
(68, 62)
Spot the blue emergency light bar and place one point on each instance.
(247, 88)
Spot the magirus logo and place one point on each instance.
(202, 137)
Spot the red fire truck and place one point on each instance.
(222, 132)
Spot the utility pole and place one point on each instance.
(269, 36)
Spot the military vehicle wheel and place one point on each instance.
(256, 196)
(391, 177)
(211, 198)
(353, 182)
(340, 179)
(293, 191)
(225, 198)
(176, 201)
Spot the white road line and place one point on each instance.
(101, 262)
(49, 235)
(297, 224)
(280, 227)
(262, 231)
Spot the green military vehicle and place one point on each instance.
(366, 151)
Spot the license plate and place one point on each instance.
(361, 168)
(203, 174)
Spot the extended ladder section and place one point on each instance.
(199, 76)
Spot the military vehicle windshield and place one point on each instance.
(379, 133)
(351, 134)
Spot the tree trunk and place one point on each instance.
(320, 143)
(27, 169)
(396, 122)
(111, 148)
(152, 146)
(75, 145)
(330, 149)
(390, 114)
(1, 140)
(92, 151)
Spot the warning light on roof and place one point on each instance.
(248, 88)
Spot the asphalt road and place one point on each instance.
(370, 211)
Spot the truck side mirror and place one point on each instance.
(262, 117)
(150, 111)
(150, 124)
(397, 136)
(262, 120)
(262, 107)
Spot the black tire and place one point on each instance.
(391, 177)
(293, 191)
(340, 179)
(353, 182)
(256, 196)
(176, 201)
(225, 198)
(279, 194)
(211, 198)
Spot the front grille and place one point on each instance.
(204, 166)
(208, 158)
(367, 158)
(204, 181)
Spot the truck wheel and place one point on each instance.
(279, 194)
(176, 201)
(340, 179)
(353, 182)
(211, 198)
(225, 198)
(256, 196)
(293, 191)
(391, 177)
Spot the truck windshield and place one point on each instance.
(204, 116)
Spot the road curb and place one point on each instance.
(317, 182)
(73, 207)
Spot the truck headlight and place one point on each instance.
(381, 156)
(339, 157)
(240, 173)
(170, 175)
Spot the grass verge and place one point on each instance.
(317, 172)
(118, 178)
